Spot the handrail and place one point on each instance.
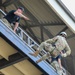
(2, 12)
(27, 39)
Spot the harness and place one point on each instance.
(54, 52)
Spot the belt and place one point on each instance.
(54, 53)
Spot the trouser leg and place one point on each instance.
(56, 66)
(40, 48)
(35, 53)
(46, 56)
(60, 72)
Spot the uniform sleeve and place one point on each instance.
(68, 50)
(52, 40)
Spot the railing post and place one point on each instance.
(21, 34)
(29, 41)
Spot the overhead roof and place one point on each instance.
(44, 24)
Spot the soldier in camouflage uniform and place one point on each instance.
(54, 47)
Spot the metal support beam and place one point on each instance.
(12, 60)
(0, 2)
(63, 30)
(48, 33)
(42, 37)
(47, 24)
(8, 2)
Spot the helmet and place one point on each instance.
(64, 34)
(21, 8)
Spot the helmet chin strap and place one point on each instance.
(64, 34)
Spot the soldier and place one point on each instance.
(54, 47)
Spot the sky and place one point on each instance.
(70, 4)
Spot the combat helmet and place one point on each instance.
(63, 34)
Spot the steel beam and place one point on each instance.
(64, 29)
(0, 2)
(47, 24)
(8, 2)
(48, 33)
(41, 31)
(15, 58)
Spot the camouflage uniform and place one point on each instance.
(54, 46)
(56, 66)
